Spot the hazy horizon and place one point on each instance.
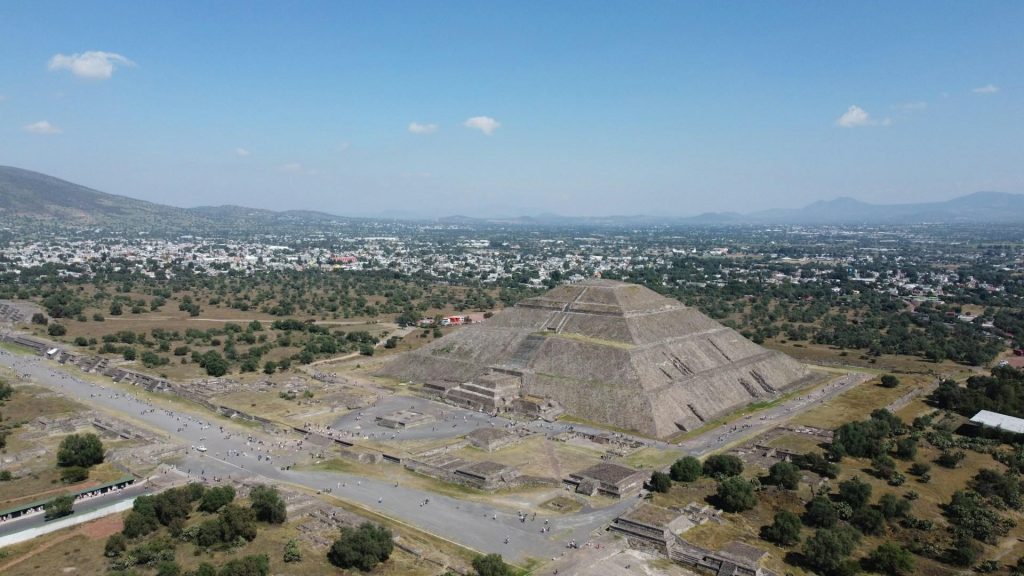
(573, 109)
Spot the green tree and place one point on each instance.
(56, 329)
(216, 498)
(784, 530)
(686, 469)
(268, 505)
(890, 558)
(491, 565)
(890, 381)
(736, 494)
(59, 507)
(828, 549)
(869, 521)
(361, 548)
(237, 523)
(906, 448)
(855, 492)
(83, 450)
(723, 465)
(821, 513)
(892, 506)
(785, 475)
(660, 482)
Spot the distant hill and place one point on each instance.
(31, 195)
(980, 207)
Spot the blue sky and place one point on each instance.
(483, 108)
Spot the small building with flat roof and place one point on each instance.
(607, 478)
(989, 419)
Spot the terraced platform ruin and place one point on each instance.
(609, 352)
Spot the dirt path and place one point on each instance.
(556, 466)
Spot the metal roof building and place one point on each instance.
(997, 420)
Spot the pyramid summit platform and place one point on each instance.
(610, 352)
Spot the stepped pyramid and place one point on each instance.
(610, 352)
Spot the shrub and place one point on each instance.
(951, 458)
(491, 565)
(257, 565)
(168, 568)
(292, 553)
(73, 474)
(890, 381)
(890, 558)
(115, 546)
(59, 507)
(660, 482)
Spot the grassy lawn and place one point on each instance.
(858, 402)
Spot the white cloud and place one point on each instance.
(854, 116)
(242, 152)
(417, 128)
(292, 167)
(41, 127)
(93, 65)
(485, 124)
(986, 89)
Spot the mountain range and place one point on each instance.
(25, 194)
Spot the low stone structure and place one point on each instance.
(607, 478)
(484, 475)
(491, 439)
(656, 529)
(650, 527)
(487, 475)
(405, 419)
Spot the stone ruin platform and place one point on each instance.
(405, 419)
